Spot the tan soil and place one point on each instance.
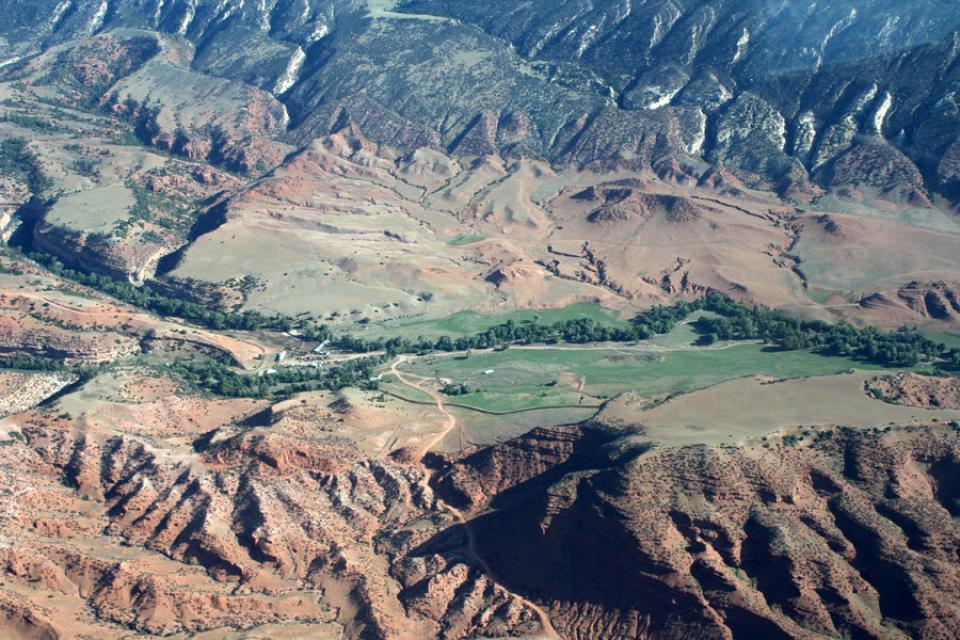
(914, 390)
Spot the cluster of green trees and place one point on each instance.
(453, 389)
(902, 348)
(32, 364)
(658, 320)
(12, 158)
(951, 360)
(223, 380)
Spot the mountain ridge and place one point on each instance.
(721, 67)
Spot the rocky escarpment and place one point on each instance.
(99, 253)
(145, 80)
(24, 336)
(242, 526)
(13, 195)
(853, 534)
(472, 480)
(20, 391)
(787, 91)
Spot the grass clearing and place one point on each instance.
(949, 338)
(744, 409)
(389, 385)
(870, 265)
(524, 378)
(96, 210)
(921, 218)
(481, 429)
(462, 239)
(683, 335)
(821, 296)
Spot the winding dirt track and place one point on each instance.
(240, 349)
(549, 631)
(451, 421)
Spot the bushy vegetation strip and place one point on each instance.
(152, 299)
(901, 348)
(728, 320)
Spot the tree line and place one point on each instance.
(657, 320)
(729, 320)
(32, 364)
(904, 347)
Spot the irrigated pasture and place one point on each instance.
(522, 378)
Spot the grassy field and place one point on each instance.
(820, 296)
(682, 335)
(391, 385)
(96, 210)
(470, 322)
(951, 339)
(743, 409)
(922, 218)
(528, 378)
(482, 429)
(921, 253)
(463, 239)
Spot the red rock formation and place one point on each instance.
(851, 534)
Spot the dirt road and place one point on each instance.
(549, 632)
(450, 421)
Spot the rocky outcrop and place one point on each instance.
(14, 194)
(96, 253)
(876, 165)
(916, 301)
(611, 138)
(778, 92)
(380, 124)
(781, 91)
(279, 524)
(915, 390)
(127, 594)
(471, 481)
(20, 391)
(852, 534)
(622, 203)
(279, 518)
(22, 619)
(27, 337)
